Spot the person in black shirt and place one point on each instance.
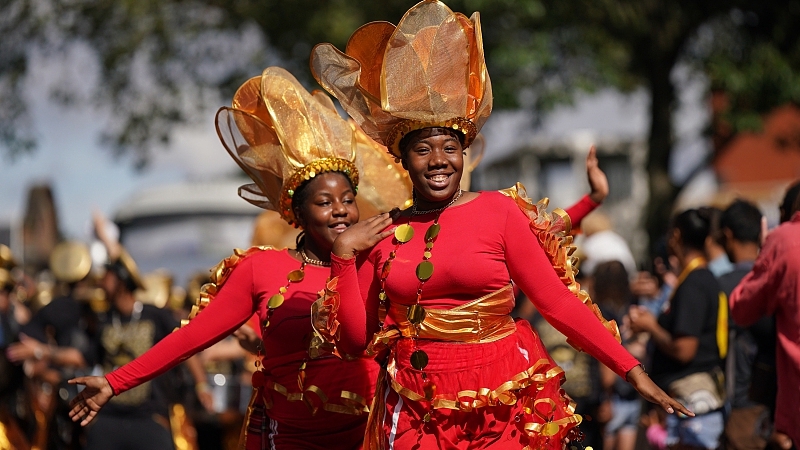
(690, 338)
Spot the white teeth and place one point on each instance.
(439, 178)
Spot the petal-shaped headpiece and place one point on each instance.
(428, 71)
(281, 135)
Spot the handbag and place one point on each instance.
(701, 392)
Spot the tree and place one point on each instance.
(540, 53)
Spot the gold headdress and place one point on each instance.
(428, 71)
(281, 135)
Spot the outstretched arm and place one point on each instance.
(231, 308)
(529, 267)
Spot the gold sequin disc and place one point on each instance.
(424, 270)
(404, 233)
(296, 276)
(550, 429)
(426, 418)
(275, 301)
(432, 232)
(416, 314)
(419, 360)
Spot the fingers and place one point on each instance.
(673, 405)
(79, 380)
(591, 158)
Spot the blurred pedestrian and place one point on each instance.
(690, 338)
(750, 366)
(611, 291)
(718, 262)
(773, 287)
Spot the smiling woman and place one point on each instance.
(301, 157)
(458, 371)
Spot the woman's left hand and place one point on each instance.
(598, 181)
(640, 381)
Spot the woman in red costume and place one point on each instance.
(458, 372)
(304, 166)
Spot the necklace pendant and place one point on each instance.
(424, 270)
(296, 276)
(432, 232)
(419, 359)
(404, 233)
(275, 301)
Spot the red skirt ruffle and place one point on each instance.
(506, 392)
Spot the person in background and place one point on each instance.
(750, 366)
(718, 262)
(773, 288)
(611, 291)
(690, 337)
(59, 338)
(139, 419)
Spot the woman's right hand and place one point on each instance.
(96, 393)
(640, 381)
(364, 235)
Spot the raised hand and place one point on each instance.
(598, 181)
(364, 235)
(87, 403)
(640, 381)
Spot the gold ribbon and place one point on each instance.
(352, 403)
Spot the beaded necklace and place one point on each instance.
(416, 313)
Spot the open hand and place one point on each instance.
(364, 235)
(640, 381)
(87, 403)
(598, 181)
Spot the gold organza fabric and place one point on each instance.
(275, 129)
(281, 135)
(429, 70)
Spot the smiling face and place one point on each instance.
(434, 158)
(327, 208)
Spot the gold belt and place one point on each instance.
(484, 319)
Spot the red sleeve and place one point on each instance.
(231, 307)
(755, 296)
(358, 289)
(530, 268)
(579, 210)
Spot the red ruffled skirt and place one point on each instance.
(502, 394)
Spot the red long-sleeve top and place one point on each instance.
(246, 291)
(482, 245)
(773, 288)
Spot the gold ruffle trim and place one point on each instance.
(324, 323)
(542, 423)
(219, 274)
(552, 230)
